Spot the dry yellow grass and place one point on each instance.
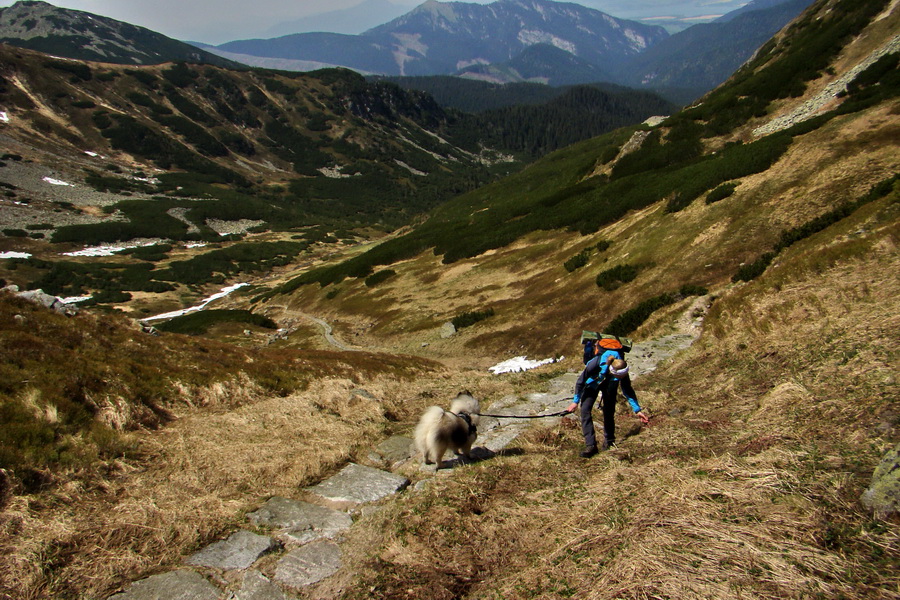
(191, 481)
(747, 486)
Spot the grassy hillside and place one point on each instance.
(124, 453)
(287, 149)
(686, 203)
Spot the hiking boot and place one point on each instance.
(589, 452)
(609, 446)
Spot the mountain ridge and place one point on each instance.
(81, 35)
(438, 37)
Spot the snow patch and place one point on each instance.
(15, 255)
(531, 37)
(410, 169)
(107, 250)
(184, 311)
(53, 181)
(519, 364)
(4, 118)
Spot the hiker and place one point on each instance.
(602, 375)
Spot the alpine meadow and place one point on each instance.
(254, 283)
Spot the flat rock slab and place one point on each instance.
(175, 585)
(257, 586)
(300, 522)
(239, 551)
(308, 564)
(564, 384)
(359, 484)
(393, 450)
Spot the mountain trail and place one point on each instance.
(301, 546)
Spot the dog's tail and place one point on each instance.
(465, 403)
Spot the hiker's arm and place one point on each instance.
(628, 392)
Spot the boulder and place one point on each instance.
(447, 330)
(883, 496)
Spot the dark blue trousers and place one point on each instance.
(607, 392)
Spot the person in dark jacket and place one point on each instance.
(602, 376)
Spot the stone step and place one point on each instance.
(239, 551)
(257, 586)
(174, 585)
(308, 564)
(296, 522)
(358, 484)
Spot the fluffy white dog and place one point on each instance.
(439, 429)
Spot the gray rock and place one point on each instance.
(563, 384)
(175, 585)
(239, 551)
(48, 301)
(393, 450)
(300, 522)
(257, 586)
(308, 564)
(365, 394)
(447, 330)
(356, 483)
(883, 496)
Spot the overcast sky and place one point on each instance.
(219, 21)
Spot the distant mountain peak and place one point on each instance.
(81, 35)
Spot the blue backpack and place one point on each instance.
(588, 350)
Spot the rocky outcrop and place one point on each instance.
(883, 496)
(46, 300)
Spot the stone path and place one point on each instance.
(305, 537)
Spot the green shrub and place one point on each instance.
(611, 279)
(721, 192)
(578, 261)
(15, 233)
(750, 271)
(468, 319)
(195, 135)
(199, 322)
(240, 258)
(101, 119)
(631, 319)
(111, 297)
(753, 270)
(380, 276)
(180, 75)
(78, 69)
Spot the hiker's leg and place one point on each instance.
(587, 420)
(609, 414)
